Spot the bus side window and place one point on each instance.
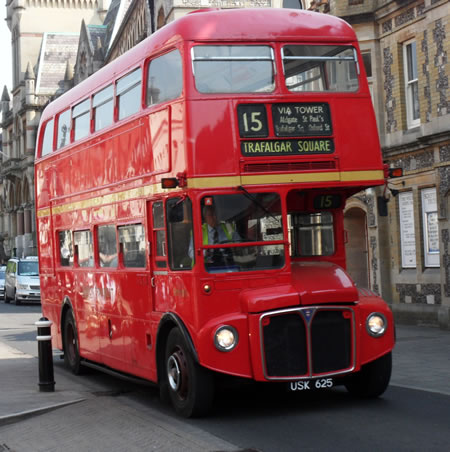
(65, 248)
(63, 138)
(82, 119)
(179, 227)
(107, 246)
(103, 108)
(83, 242)
(165, 78)
(132, 245)
(47, 141)
(128, 90)
(159, 235)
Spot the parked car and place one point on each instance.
(22, 280)
(2, 281)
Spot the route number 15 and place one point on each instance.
(252, 120)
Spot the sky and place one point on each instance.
(5, 51)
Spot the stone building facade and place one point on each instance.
(44, 37)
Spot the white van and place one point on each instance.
(22, 280)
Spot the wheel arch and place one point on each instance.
(169, 321)
(65, 308)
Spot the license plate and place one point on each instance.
(307, 385)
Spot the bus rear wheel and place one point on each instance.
(72, 357)
(373, 378)
(190, 386)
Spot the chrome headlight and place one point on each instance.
(376, 324)
(23, 286)
(225, 338)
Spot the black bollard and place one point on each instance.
(45, 352)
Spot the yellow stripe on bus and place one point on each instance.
(332, 176)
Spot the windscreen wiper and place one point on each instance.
(262, 206)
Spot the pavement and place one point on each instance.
(82, 415)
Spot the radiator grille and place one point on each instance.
(307, 342)
(280, 167)
(285, 345)
(330, 342)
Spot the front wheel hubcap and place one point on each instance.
(177, 373)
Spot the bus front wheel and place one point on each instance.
(373, 378)
(71, 349)
(190, 386)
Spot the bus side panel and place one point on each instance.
(85, 306)
(215, 148)
(46, 264)
(114, 157)
(354, 149)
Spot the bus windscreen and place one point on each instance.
(233, 69)
(320, 68)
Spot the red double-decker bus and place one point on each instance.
(190, 202)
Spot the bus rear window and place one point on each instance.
(233, 69)
(320, 68)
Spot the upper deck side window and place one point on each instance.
(233, 69)
(128, 91)
(82, 119)
(164, 78)
(103, 108)
(47, 141)
(312, 68)
(64, 122)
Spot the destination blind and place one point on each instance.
(307, 146)
(289, 120)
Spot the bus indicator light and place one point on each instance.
(169, 182)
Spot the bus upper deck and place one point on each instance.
(287, 106)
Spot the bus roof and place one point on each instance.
(240, 25)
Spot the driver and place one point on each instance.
(215, 232)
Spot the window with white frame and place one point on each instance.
(407, 229)
(430, 227)
(411, 84)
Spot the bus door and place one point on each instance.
(158, 255)
(172, 253)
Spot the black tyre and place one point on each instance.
(373, 378)
(70, 342)
(190, 386)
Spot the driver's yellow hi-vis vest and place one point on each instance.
(225, 227)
